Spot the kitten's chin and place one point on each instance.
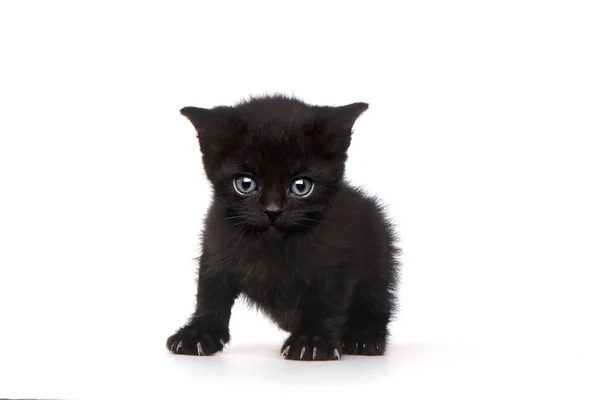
(279, 232)
(285, 230)
(261, 229)
(272, 230)
(276, 229)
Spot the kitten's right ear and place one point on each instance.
(203, 120)
(209, 126)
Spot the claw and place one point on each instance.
(223, 342)
(336, 354)
(314, 353)
(285, 352)
(173, 347)
(200, 349)
(179, 345)
(302, 351)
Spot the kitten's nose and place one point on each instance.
(272, 211)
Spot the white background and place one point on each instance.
(482, 136)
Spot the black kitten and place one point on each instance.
(287, 232)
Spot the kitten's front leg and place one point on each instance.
(317, 336)
(207, 331)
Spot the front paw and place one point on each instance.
(198, 340)
(362, 343)
(309, 348)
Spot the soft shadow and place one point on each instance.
(262, 362)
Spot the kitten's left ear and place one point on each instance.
(343, 118)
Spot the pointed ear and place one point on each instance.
(209, 126)
(203, 120)
(343, 118)
(336, 126)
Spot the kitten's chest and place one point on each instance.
(277, 294)
(270, 280)
(273, 283)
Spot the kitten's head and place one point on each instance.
(275, 163)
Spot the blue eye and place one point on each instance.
(301, 187)
(244, 185)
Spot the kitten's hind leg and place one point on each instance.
(366, 330)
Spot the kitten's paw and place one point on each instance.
(309, 348)
(363, 346)
(197, 341)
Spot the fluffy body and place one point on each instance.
(325, 268)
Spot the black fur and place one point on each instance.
(325, 269)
